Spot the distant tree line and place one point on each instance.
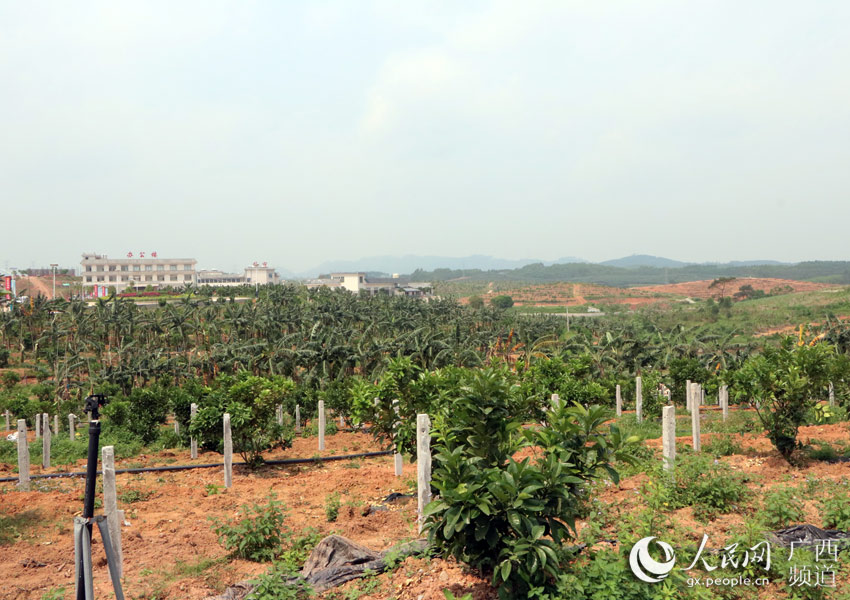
(837, 272)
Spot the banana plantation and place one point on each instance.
(499, 388)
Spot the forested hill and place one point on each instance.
(821, 271)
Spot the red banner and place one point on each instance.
(7, 283)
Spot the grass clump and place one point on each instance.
(332, 504)
(709, 486)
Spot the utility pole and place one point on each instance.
(53, 266)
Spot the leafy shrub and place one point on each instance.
(258, 534)
(9, 378)
(508, 517)
(572, 380)
(785, 383)
(252, 403)
(501, 301)
(782, 507)
(416, 391)
(682, 370)
(835, 511)
(141, 413)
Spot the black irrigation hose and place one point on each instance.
(282, 461)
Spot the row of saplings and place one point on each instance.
(515, 519)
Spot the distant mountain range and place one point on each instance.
(411, 263)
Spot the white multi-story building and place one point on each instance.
(137, 273)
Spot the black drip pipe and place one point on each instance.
(282, 461)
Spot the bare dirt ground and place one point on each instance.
(700, 289)
(171, 551)
(577, 294)
(35, 286)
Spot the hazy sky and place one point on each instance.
(300, 132)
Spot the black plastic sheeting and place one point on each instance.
(283, 461)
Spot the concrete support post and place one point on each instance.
(724, 401)
(695, 418)
(176, 425)
(193, 443)
(23, 457)
(619, 400)
(72, 426)
(423, 465)
(668, 435)
(321, 424)
(279, 414)
(56, 424)
(45, 441)
(638, 399)
(110, 505)
(831, 394)
(8, 415)
(38, 426)
(297, 418)
(688, 394)
(398, 460)
(228, 453)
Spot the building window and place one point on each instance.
(124, 278)
(187, 267)
(160, 277)
(174, 278)
(148, 267)
(160, 267)
(137, 268)
(123, 267)
(112, 267)
(147, 277)
(99, 268)
(88, 268)
(173, 267)
(112, 278)
(88, 279)
(187, 278)
(100, 278)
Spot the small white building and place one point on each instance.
(256, 274)
(357, 282)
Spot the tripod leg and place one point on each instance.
(82, 551)
(111, 558)
(79, 526)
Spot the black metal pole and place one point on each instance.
(93, 403)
